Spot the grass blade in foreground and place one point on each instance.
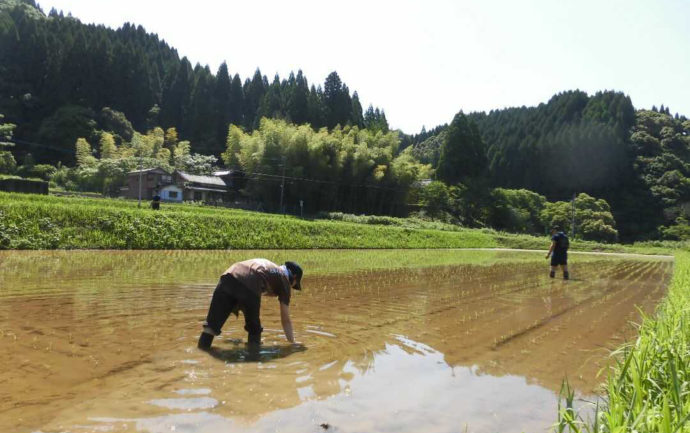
(649, 389)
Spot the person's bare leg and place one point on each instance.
(566, 274)
(552, 274)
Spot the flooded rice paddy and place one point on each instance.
(392, 341)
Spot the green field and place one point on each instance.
(45, 222)
(48, 222)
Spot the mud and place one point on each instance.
(105, 341)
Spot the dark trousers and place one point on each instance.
(229, 295)
(559, 258)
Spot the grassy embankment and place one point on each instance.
(47, 222)
(649, 388)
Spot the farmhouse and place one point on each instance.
(179, 186)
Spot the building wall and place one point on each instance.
(149, 182)
(171, 193)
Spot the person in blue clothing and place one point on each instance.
(558, 252)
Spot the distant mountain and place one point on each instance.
(57, 74)
(638, 160)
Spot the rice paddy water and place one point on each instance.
(393, 341)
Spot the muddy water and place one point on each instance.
(452, 341)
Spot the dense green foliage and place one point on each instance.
(348, 169)
(462, 155)
(635, 160)
(7, 161)
(96, 103)
(520, 211)
(48, 222)
(593, 217)
(103, 167)
(661, 145)
(572, 143)
(57, 74)
(648, 389)
(40, 222)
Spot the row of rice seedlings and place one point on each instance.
(26, 272)
(579, 294)
(648, 390)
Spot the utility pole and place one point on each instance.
(282, 188)
(140, 170)
(572, 225)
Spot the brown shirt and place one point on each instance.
(262, 277)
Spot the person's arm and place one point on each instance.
(286, 322)
(553, 245)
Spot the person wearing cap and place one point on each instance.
(240, 289)
(558, 252)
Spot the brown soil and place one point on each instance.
(78, 354)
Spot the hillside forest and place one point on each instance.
(83, 105)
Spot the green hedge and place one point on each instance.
(18, 184)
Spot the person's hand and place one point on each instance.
(296, 347)
(547, 255)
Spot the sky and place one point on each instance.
(423, 61)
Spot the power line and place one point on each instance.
(46, 146)
(277, 177)
(272, 177)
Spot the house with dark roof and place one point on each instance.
(221, 187)
(146, 181)
(197, 188)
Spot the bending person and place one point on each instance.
(240, 289)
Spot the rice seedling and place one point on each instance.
(648, 389)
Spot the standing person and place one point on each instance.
(240, 289)
(156, 202)
(558, 252)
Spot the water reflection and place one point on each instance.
(409, 387)
(106, 340)
(254, 353)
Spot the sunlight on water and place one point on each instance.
(105, 341)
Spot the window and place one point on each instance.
(172, 194)
(166, 179)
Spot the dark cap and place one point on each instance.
(295, 270)
(556, 227)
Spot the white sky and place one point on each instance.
(423, 61)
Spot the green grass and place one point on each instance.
(521, 241)
(648, 390)
(49, 222)
(45, 222)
